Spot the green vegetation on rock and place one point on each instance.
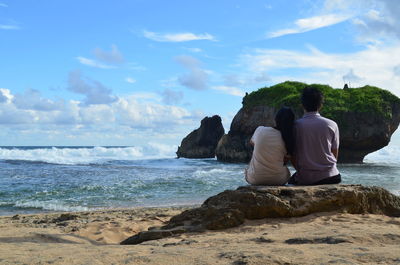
(367, 99)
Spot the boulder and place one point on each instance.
(367, 117)
(232, 207)
(202, 142)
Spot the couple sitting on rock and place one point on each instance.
(310, 143)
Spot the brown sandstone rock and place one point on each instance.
(231, 207)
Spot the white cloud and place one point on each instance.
(138, 111)
(197, 77)
(245, 80)
(177, 37)
(137, 114)
(104, 59)
(396, 70)
(5, 95)
(380, 23)
(148, 96)
(267, 59)
(97, 114)
(93, 63)
(32, 99)
(311, 23)
(3, 98)
(376, 20)
(340, 5)
(320, 67)
(188, 61)
(112, 57)
(170, 82)
(351, 77)
(195, 50)
(136, 67)
(132, 119)
(9, 27)
(11, 115)
(171, 96)
(262, 77)
(234, 91)
(232, 80)
(130, 80)
(95, 92)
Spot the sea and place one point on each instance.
(37, 179)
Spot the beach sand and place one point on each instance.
(93, 237)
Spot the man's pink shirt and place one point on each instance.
(316, 136)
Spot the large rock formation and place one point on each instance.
(231, 208)
(366, 116)
(202, 142)
(235, 146)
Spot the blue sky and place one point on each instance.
(145, 72)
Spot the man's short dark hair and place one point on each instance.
(311, 98)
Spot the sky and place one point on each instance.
(145, 72)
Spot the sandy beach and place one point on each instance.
(93, 237)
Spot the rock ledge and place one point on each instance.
(231, 207)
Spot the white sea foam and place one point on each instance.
(220, 172)
(388, 155)
(53, 205)
(85, 155)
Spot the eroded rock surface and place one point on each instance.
(231, 207)
(360, 133)
(202, 142)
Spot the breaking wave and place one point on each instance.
(84, 155)
(53, 205)
(390, 155)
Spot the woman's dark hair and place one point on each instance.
(311, 98)
(284, 120)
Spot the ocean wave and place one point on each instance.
(213, 172)
(83, 155)
(390, 155)
(50, 206)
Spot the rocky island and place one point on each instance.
(202, 142)
(367, 117)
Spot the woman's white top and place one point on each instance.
(267, 163)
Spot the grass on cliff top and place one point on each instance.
(367, 99)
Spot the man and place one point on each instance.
(317, 144)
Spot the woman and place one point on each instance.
(273, 146)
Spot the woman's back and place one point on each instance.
(267, 163)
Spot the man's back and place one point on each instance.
(316, 137)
